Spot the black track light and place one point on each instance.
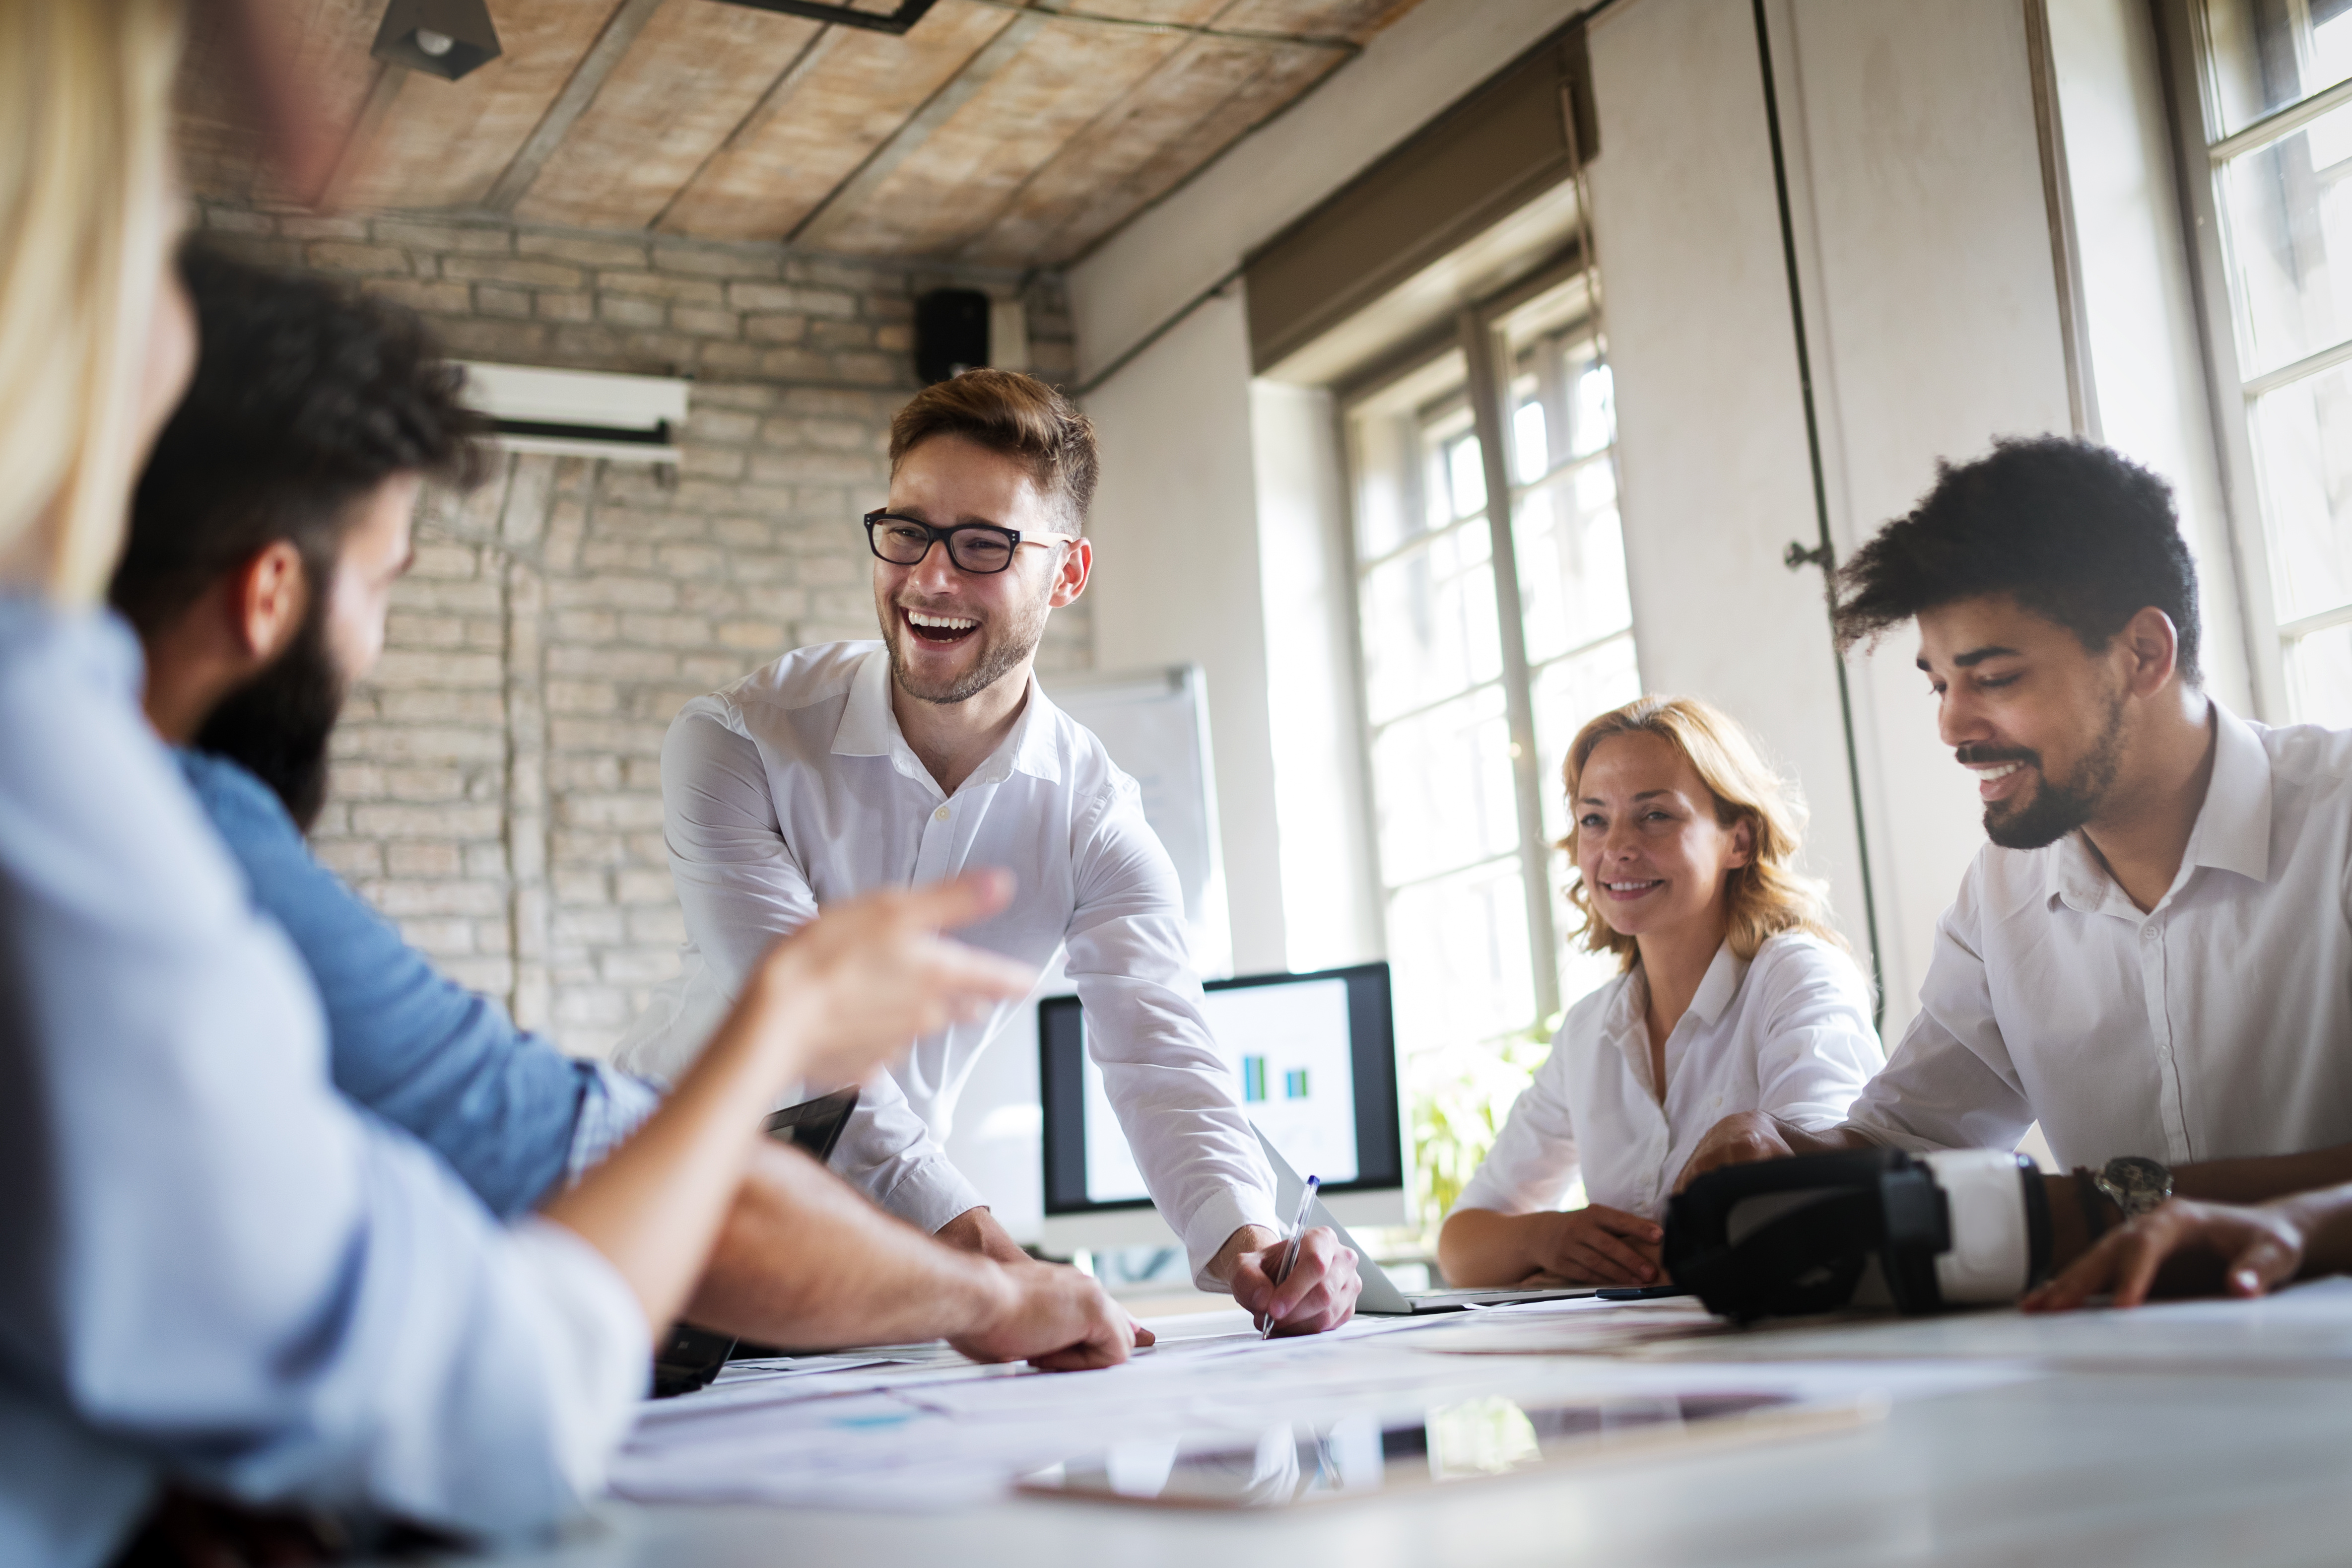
(446, 37)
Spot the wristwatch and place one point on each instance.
(2133, 1184)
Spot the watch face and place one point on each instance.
(2142, 1184)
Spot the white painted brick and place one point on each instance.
(423, 743)
(401, 667)
(426, 786)
(440, 706)
(589, 889)
(642, 886)
(582, 697)
(614, 737)
(351, 858)
(490, 977)
(752, 636)
(664, 924)
(593, 928)
(665, 631)
(439, 938)
(425, 859)
(441, 560)
(390, 822)
(610, 811)
(419, 897)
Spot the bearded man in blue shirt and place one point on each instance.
(268, 529)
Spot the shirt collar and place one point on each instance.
(870, 728)
(2233, 831)
(1624, 1020)
(1721, 985)
(2234, 826)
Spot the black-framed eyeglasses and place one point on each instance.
(982, 549)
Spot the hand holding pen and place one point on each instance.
(1304, 1282)
(1290, 1252)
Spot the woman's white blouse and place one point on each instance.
(1787, 1032)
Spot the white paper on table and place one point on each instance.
(902, 1438)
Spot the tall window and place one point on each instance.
(1493, 607)
(2276, 90)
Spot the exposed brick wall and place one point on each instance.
(497, 787)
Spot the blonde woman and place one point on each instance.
(1737, 995)
(214, 1272)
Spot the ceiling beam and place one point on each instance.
(841, 205)
(374, 108)
(515, 181)
(788, 81)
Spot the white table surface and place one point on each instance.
(2202, 1434)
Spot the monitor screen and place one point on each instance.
(1313, 1059)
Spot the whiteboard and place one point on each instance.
(1155, 725)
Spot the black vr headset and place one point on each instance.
(1861, 1228)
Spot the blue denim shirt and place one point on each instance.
(511, 1114)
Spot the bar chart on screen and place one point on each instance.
(1288, 1048)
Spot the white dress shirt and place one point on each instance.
(213, 1267)
(1788, 1032)
(2217, 1026)
(794, 788)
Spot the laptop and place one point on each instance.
(1382, 1297)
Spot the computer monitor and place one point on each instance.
(1313, 1058)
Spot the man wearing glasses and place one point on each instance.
(849, 766)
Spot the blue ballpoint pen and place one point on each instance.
(1290, 1254)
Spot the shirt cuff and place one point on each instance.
(597, 1353)
(1208, 1229)
(931, 1194)
(612, 1106)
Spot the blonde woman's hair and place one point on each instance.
(86, 228)
(1763, 898)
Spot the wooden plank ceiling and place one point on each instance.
(995, 132)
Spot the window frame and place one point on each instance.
(2201, 148)
(1476, 332)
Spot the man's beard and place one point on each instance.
(1002, 653)
(277, 726)
(2055, 808)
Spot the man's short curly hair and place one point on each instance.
(306, 397)
(2079, 534)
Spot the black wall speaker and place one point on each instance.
(951, 332)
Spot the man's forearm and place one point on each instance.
(2325, 1219)
(976, 1230)
(2261, 1180)
(806, 1261)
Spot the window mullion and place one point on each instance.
(1486, 387)
(2187, 57)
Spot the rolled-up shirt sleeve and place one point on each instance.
(613, 1105)
(1949, 1083)
(1129, 958)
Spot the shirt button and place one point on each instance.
(942, 814)
(2148, 933)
